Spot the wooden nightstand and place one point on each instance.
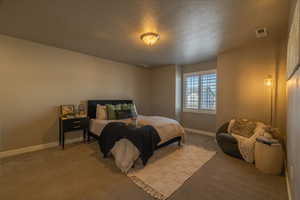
(74, 124)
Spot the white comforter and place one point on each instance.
(125, 153)
(167, 128)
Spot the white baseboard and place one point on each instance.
(207, 133)
(14, 152)
(288, 185)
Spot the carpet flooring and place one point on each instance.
(80, 173)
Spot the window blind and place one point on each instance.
(208, 91)
(200, 91)
(192, 92)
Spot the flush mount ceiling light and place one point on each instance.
(150, 38)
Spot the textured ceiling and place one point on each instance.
(191, 30)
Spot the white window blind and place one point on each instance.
(200, 91)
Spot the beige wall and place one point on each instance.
(241, 74)
(163, 91)
(200, 121)
(35, 79)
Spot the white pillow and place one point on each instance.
(101, 112)
(134, 111)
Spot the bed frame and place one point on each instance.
(92, 108)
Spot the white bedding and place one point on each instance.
(167, 128)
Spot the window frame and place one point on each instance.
(203, 111)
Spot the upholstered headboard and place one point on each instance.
(92, 105)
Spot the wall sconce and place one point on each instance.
(268, 81)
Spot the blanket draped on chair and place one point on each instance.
(246, 132)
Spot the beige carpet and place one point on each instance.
(169, 168)
(81, 173)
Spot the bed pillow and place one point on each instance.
(123, 114)
(126, 106)
(111, 114)
(118, 107)
(133, 110)
(101, 112)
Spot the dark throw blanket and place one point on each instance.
(145, 138)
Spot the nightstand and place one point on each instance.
(73, 124)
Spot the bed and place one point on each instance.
(169, 130)
(96, 126)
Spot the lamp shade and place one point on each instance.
(268, 81)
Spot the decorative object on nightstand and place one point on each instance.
(67, 111)
(268, 155)
(81, 111)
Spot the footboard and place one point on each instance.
(176, 139)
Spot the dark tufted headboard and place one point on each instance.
(92, 105)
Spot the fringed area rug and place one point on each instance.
(169, 168)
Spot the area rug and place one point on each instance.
(168, 169)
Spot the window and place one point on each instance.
(200, 92)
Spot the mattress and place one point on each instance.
(125, 153)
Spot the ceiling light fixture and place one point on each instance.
(150, 38)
